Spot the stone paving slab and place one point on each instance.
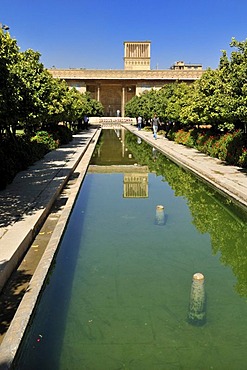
(230, 180)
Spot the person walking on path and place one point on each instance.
(86, 121)
(155, 124)
(139, 122)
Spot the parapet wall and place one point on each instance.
(113, 120)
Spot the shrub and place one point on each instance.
(147, 128)
(16, 154)
(242, 161)
(43, 137)
(7, 169)
(61, 134)
(161, 132)
(228, 147)
(184, 137)
(211, 146)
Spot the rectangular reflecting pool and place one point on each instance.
(119, 294)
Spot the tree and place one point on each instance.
(133, 108)
(8, 98)
(35, 91)
(236, 71)
(145, 105)
(210, 100)
(91, 106)
(176, 97)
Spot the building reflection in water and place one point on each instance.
(112, 156)
(135, 185)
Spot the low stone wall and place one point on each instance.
(111, 120)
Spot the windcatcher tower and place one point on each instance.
(137, 55)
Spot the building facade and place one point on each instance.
(114, 88)
(181, 65)
(137, 55)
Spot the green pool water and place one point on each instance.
(118, 294)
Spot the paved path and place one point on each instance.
(230, 180)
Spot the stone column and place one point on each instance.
(197, 307)
(123, 141)
(160, 215)
(123, 102)
(98, 93)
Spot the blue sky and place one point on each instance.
(90, 33)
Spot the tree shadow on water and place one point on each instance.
(11, 297)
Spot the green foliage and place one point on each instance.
(91, 106)
(16, 155)
(228, 147)
(8, 97)
(242, 161)
(145, 105)
(30, 97)
(177, 95)
(233, 75)
(185, 138)
(210, 100)
(133, 108)
(43, 137)
(61, 134)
